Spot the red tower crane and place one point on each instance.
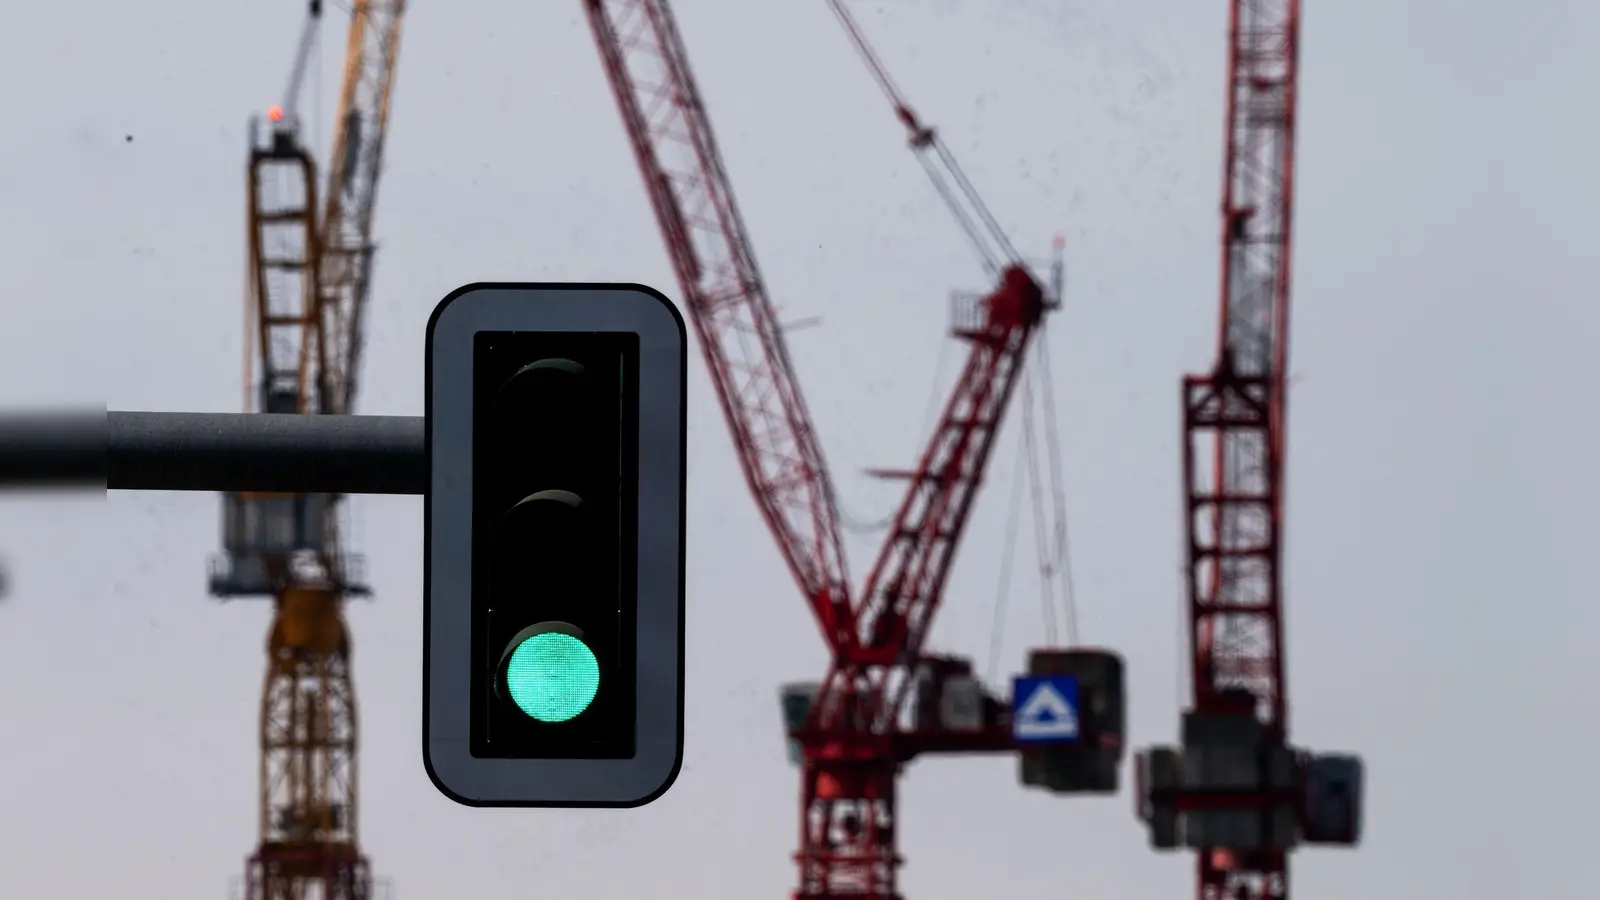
(883, 700)
(1235, 790)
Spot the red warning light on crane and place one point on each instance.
(275, 113)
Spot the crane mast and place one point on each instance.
(308, 282)
(854, 726)
(1236, 791)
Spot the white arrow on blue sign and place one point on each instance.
(1044, 709)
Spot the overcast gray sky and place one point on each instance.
(1443, 481)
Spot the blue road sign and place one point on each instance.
(1044, 709)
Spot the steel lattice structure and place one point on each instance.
(309, 277)
(1235, 790)
(1236, 561)
(859, 732)
(1235, 493)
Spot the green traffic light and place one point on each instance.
(552, 677)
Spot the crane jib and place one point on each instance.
(725, 295)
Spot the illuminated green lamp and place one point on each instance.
(550, 673)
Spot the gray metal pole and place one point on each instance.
(52, 449)
(150, 451)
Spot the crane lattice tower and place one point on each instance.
(309, 275)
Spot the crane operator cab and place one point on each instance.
(1090, 763)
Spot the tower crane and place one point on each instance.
(309, 275)
(884, 700)
(1235, 790)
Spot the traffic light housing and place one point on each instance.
(556, 452)
(554, 592)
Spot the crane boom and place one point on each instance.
(896, 608)
(356, 161)
(1234, 420)
(740, 336)
(1237, 626)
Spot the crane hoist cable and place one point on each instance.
(985, 233)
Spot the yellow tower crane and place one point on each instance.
(308, 278)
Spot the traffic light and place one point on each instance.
(553, 664)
